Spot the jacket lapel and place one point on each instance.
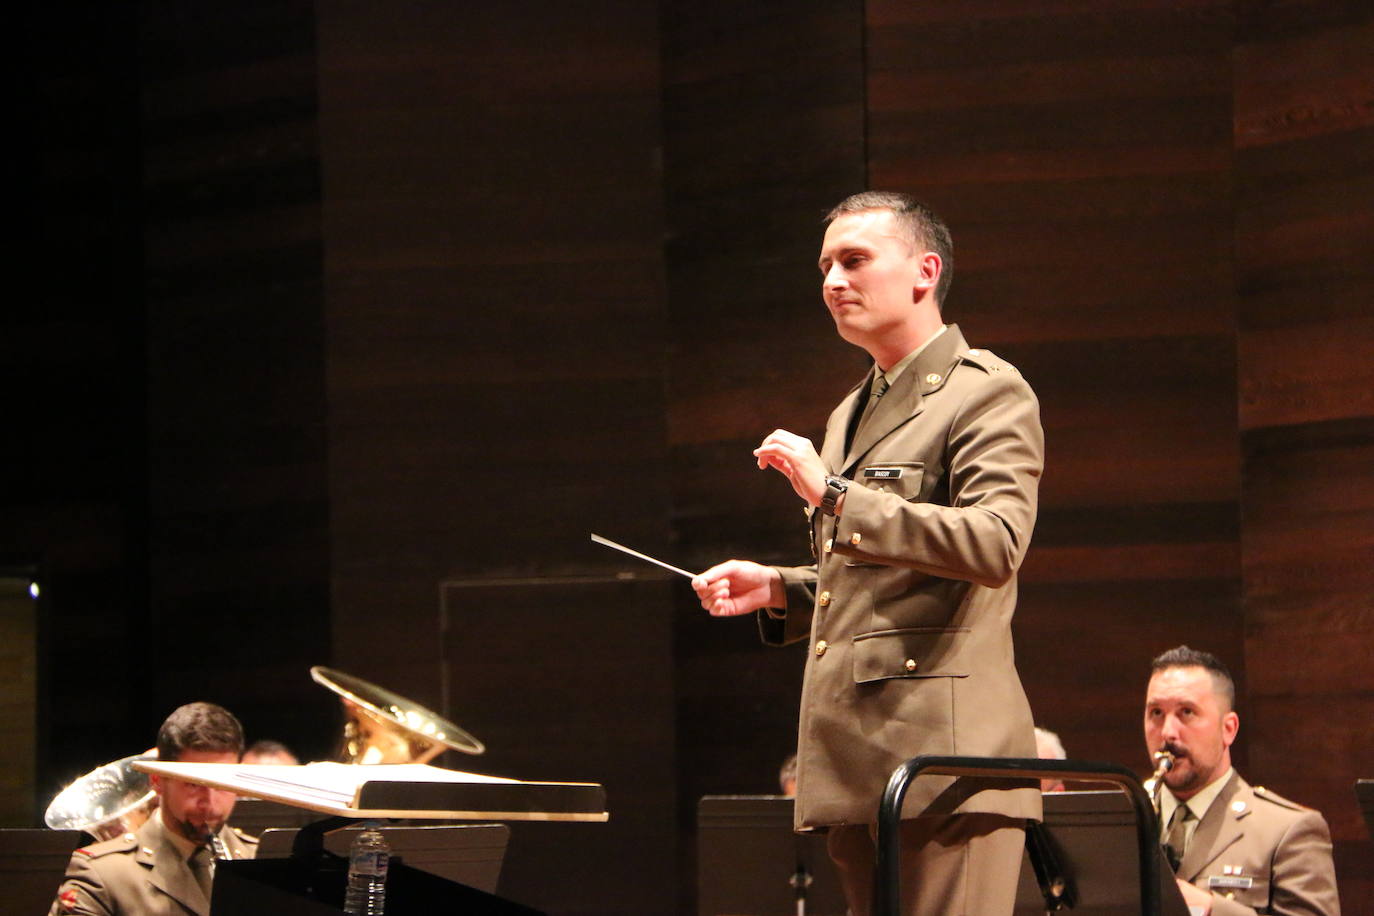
(1222, 826)
(170, 873)
(837, 427)
(904, 400)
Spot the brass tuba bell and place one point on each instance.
(107, 802)
(385, 727)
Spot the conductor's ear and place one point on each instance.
(928, 267)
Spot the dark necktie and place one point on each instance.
(1176, 843)
(201, 867)
(875, 391)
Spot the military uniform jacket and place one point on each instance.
(909, 606)
(138, 874)
(1258, 852)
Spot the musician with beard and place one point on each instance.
(166, 868)
(1235, 850)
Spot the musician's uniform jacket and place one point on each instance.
(1258, 852)
(139, 874)
(908, 609)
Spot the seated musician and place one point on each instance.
(1235, 850)
(166, 868)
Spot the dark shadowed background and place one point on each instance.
(335, 328)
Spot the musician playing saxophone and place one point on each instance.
(166, 868)
(1235, 850)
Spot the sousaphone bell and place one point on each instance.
(385, 727)
(107, 802)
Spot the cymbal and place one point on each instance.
(385, 727)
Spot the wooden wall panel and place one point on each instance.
(1304, 134)
(494, 300)
(1081, 154)
(238, 498)
(567, 678)
(763, 133)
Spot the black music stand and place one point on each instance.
(311, 881)
(1093, 840)
(254, 815)
(1364, 793)
(1155, 892)
(470, 854)
(751, 863)
(32, 863)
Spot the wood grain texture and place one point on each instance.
(1304, 125)
(494, 300)
(763, 132)
(1081, 153)
(239, 512)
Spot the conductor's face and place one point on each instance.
(190, 810)
(872, 276)
(1185, 716)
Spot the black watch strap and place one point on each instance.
(834, 489)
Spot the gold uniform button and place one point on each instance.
(855, 538)
(829, 544)
(1230, 895)
(934, 378)
(909, 665)
(821, 646)
(823, 599)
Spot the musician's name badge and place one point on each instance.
(1230, 882)
(883, 473)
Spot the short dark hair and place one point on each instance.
(1186, 657)
(918, 223)
(267, 747)
(199, 727)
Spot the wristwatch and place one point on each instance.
(834, 489)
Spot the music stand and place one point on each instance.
(1364, 792)
(256, 815)
(751, 863)
(32, 864)
(1093, 836)
(470, 854)
(1157, 894)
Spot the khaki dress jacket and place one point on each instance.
(908, 609)
(138, 874)
(1258, 852)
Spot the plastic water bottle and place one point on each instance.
(367, 863)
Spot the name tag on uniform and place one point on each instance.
(883, 473)
(1230, 883)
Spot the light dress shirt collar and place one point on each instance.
(901, 364)
(1199, 804)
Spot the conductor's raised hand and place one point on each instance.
(738, 587)
(795, 457)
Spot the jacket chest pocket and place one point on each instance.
(910, 652)
(900, 478)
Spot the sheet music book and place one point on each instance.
(409, 790)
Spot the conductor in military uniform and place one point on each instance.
(166, 868)
(1236, 850)
(921, 502)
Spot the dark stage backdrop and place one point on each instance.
(351, 321)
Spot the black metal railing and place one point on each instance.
(887, 877)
